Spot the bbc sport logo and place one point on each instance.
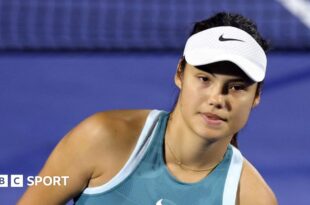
(17, 180)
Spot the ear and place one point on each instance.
(256, 101)
(178, 77)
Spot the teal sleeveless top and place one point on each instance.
(145, 179)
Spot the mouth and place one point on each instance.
(213, 119)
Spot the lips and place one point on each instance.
(213, 116)
(213, 119)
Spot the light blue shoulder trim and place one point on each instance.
(233, 178)
(144, 140)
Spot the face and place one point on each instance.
(215, 100)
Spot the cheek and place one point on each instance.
(241, 114)
(190, 96)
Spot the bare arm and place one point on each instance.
(75, 156)
(253, 189)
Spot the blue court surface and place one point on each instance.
(44, 95)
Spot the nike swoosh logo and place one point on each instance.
(164, 202)
(221, 38)
(159, 202)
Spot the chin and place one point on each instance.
(210, 131)
(212, 135)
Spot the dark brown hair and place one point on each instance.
(235, 20)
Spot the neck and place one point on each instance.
(192, 150)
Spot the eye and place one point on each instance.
(204, 79)
(237, 87)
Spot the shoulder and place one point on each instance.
(89, 154)
(111, 124)
(104, 142)
(101, 139)
(253, 189)
(109, 131)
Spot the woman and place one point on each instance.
(182, 157)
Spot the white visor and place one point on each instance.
(226, 43)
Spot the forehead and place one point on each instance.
(223, 68)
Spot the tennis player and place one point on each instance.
(182, 157)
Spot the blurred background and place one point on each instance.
(63, 60)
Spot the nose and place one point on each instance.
(216, 97)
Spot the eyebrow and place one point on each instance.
(232, 79)
(238, 80)
(247, 82)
